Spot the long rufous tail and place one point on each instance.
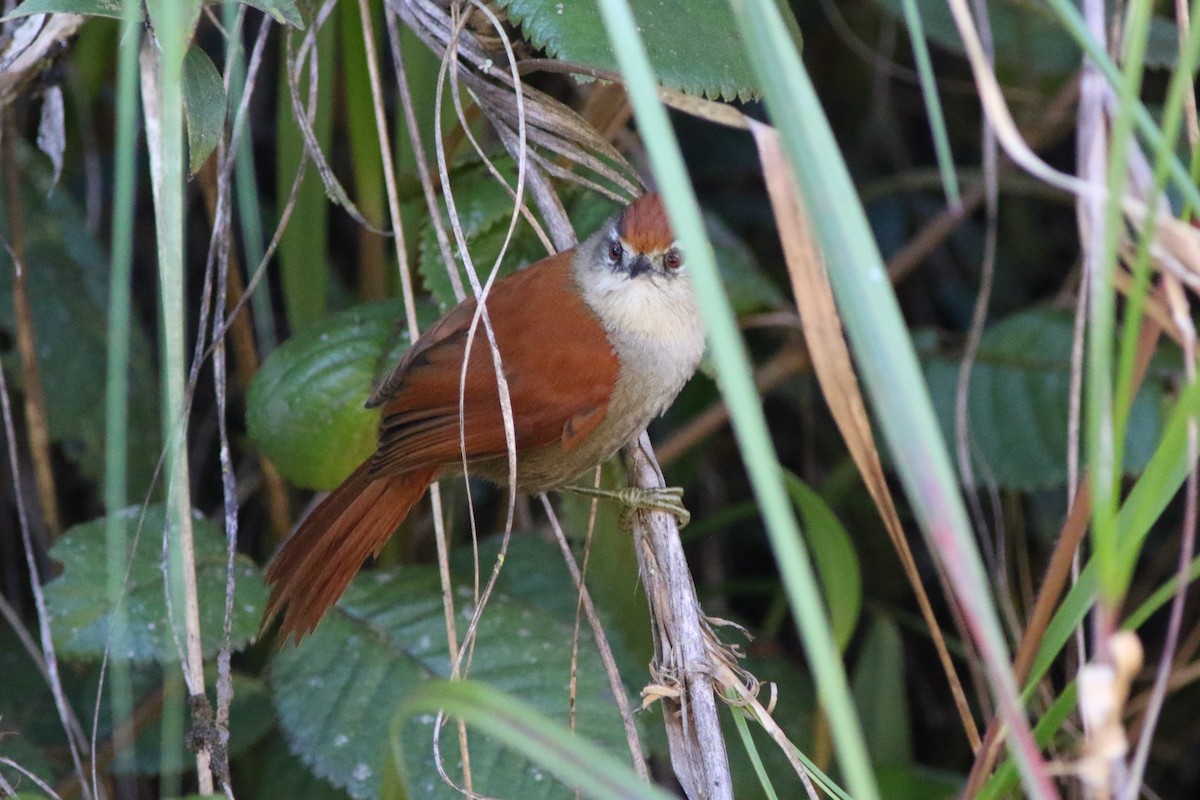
(317, 562)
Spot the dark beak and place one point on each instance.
(639, 265)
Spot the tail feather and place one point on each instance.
(317, 562)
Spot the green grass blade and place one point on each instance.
(933, 104)
(741, 397)
(885, 352)
(116, 411)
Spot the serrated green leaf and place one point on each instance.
(483, 207)
(337, 691)
(305, 406)
(835, 558)
(66, 273)
(204, 105)
(283, 776)
(693, 44)
(1019, 397)
(881, 694)
(77, 600)
(91, 8)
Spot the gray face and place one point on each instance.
(625, 261)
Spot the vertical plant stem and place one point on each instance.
(162, 100)
(31, 377)
(889, 364)
(116, 408)
(737, 385)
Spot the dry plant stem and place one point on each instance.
(746, 698)
(246, 356)
(962, 423)
(1183, 24)
(615, 683)
(148, 711)
(38, 56)
(41, 784)
(1158, 692)
(831, 360)
(1048, 128)
(681, 647)
(49, 657)
(389, 169)
(31, 378)
(385, 152)
(1056, 575)
(223, 244)
(178, 483)
(414, 137)
(295, 60)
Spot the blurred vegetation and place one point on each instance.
(325, 319)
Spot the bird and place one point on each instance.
(595, 342)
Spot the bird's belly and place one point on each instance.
(653, 371)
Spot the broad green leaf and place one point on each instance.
(1018, 402)
(693, 44)
(66, 273)
(547, 742)
(93, 8)
(835, 557)
(916, 783)
(305, 406)
(337, 692)
(483, 208)
(33, 734)
(881, 695)
(1026, 37)
(282, 776)
(77, 600)
(282, 11)
(1162, 50)
(748, 286)
(204, 104)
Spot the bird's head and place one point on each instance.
(633, 271)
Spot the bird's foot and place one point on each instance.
(660, 498)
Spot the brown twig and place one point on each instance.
(246, 360)
(36, 421)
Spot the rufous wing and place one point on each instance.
(556, 356)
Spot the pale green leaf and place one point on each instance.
(203, 104)
(77, 600)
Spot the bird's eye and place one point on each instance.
(615, 251)
(673, 260)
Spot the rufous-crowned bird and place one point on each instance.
(595, 342)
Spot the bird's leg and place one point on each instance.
(661, 498)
